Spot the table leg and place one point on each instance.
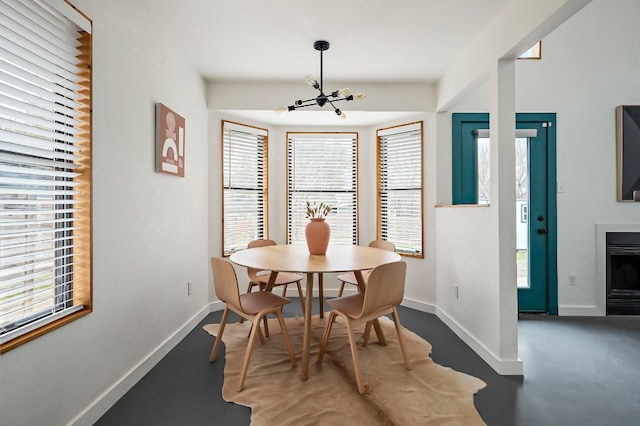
(321, 295)
(271, 281)
(376, 324)
(306, 340)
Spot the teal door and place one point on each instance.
(535, 198)
(536, 216)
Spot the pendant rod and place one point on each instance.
(321, 67)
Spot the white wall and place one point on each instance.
(150, 233)
(420, 288)
(590, 65)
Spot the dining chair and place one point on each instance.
(350, 277)
(384, 291)
(251, 306)
(260, 278)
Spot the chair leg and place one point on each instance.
(396, 321)
(300, 296)
(216, 345)
(367, 333)
(260, 335)
(341, 289)
(249, 288)
(266, 326)
(356, 360)
(287, 340)
(247, 355)
(284, 290)
(321, 295)
(325, 337)
(262, 287)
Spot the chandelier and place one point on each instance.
(322, 99)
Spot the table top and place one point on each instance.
(296, 258)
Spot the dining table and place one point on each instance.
(295, 258)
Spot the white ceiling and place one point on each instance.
(410, 41)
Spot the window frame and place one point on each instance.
(355, 216)
(380, 187)
(79, 263)
(265, 182)
(464, 156)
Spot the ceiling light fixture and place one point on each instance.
(322, 99)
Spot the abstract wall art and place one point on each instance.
(170, 143)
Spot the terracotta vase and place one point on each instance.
(317, 233)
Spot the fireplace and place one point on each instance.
(623, 273)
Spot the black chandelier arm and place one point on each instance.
(346, 98)
(319, 101)
(302, 104)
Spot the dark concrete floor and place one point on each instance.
(577, 371)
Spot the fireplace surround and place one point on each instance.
(618, 269)
(623, 273)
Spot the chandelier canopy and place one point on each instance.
(322, 99)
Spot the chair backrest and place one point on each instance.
(252, 272)
(225, 282)
(385, 287)
(383, 244)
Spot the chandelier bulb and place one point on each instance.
(344, 92)
(311, 80)
(343, 115)
(281, 109)
(359, 96)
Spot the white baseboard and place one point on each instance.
(502, 367)
(418, 305)
(108, 398)
(216, 306)
(580, 311)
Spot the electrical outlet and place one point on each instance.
(456, 294)
(572, 279)
(189, 287)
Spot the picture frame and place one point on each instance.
(628, 152)
(170, 141)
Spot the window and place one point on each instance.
(244, 159)
(45, 169)
(322, 168)
(470, 159)
(534, 52)
(399, 187)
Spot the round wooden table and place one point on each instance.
(296, 258)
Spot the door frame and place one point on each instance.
(464, 181)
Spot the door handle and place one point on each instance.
(542, 231)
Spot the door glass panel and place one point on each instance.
(483, 154)
(522, 212)
(522, 199)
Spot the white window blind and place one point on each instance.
(44, 206)
(400, 187)
(322, 168)
(245, 185)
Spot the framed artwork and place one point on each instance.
(169, 141)
(628, 152)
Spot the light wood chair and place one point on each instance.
(350, 278)
(384, 291)
(259, 278)
(252, 306)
